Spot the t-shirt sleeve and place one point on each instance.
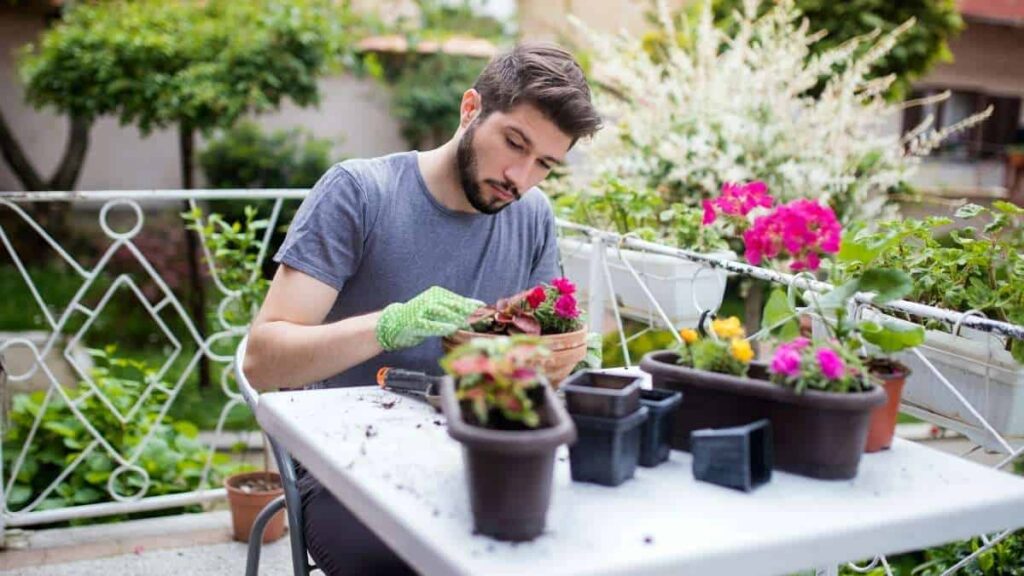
(545, 261)
(326, 237)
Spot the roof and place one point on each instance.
(1006, 12)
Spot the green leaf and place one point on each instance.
(187, 428)
(887, 284)
(777, 311)
(1007, 207)
(969, 211)
(891, 336)
(839, 296)
(19, 494)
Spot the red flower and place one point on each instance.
(564, 286)
(536, 297)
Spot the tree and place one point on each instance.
(195, 65)
(919, 48)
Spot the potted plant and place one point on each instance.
(811, 392)
(248, 494)
(548, 311)
(876, 337)
(509, 422)
(971, 268)
(675, 283)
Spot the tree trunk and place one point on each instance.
(197, 293)
(52, 216)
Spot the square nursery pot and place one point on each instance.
(509, 472)
(656, 435)
(608, 449)
(591, 393)
(739, 457)
(816, 434)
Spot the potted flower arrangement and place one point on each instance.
(976, 269)
(675, 283)
(509, 422)
(548, 311)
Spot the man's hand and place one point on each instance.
(435, 312)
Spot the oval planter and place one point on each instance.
(509, 472)
(672, 281)
(816, 434)
(245, 506)
(883, 418)
(567, 350)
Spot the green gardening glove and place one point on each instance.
(435, 312)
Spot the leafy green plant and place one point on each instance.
(724, 349)
(169, 450)
(427, 93)
(1006, 558)
(235, 249)
(247, 157)
(976, 269)
(611, 204)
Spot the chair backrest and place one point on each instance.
(293, 500)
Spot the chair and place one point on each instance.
(290, 501)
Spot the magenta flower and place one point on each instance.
(786, 361)
(832, 365)
(802, 230)
(564, 286)
(565, 306)
(737, 200)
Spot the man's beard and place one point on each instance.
(465, 163)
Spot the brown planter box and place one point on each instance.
(509, 472)
(245, 506)
(816, 434)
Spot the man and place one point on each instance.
(386, 255)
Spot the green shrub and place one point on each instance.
(172, 456)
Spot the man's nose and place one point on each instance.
(518, 174)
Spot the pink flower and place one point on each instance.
(564, 286)
(565, 306)
(800, 342)
(475, 364)
(536, 297)
(831, 364)
(802, 230)
(709, 213)
(786, 361)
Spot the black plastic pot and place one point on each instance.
(656, 435)
(816, 434)
(593, 393)
(608, 449)
(509, 471)
(739, 457)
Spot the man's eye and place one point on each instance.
(545, 165)
(513, 144)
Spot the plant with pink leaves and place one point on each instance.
(801, 231)
(804, 364)
(542, 310)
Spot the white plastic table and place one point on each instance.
(390, 460)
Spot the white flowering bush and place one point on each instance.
(752, 106)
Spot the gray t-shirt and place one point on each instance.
(372, 230)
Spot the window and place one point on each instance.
(987, 140)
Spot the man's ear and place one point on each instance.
(470, 108)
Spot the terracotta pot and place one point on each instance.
(245, 506)
(883, 418)
(509, 472)
(815, 433)
(1015, 159)
(567, 350)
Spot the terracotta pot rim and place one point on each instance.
(230, 481)
(564, 337)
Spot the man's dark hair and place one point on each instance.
(546, 76)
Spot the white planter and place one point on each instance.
(982, 371)
(672, 281)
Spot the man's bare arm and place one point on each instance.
(289, 347)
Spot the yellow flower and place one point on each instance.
(741, 350)
(728, 328)
(689, 335)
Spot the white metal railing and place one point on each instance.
(607, 246)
